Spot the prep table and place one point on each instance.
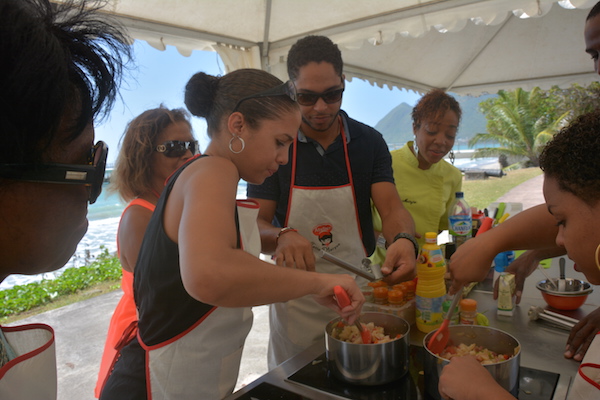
(542, 345)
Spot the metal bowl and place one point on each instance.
(573, 287)
(575, 293)
(506, 373)
(370, 364)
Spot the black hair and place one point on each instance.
(314, 49)
(433, 105)
(57, 61)
(594, 11)
(571, 158)
(214, 98)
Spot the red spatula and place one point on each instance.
(439, 340)
(344, 300)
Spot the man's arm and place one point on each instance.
(400, 259)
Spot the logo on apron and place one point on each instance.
(324, 234)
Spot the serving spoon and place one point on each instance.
(439, 340)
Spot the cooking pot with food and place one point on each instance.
(370, 364)
(505, 372)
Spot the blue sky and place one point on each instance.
(160, 77)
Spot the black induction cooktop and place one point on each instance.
(533, 384)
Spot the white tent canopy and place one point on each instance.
(464, 46)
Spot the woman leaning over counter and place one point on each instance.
(572, 193)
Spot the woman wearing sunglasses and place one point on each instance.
(198, 271)
(60, 66)
(154, 145)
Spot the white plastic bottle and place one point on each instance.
(460, 221)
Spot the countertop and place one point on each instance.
(542, 344)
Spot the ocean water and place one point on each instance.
(103, 217)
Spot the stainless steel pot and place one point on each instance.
(370, 364)
(506, 373)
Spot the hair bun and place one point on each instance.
(200, 93)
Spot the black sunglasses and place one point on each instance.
(91, 175)
(329, 97)
(285, 89)
(177, 148)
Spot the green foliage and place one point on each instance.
(523, 122)
(25, 297)
(520, 122)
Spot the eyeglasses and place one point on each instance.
(91, 175)
(329, 97)
(285, 89)
(177, 148)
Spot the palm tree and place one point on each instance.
(520, 122)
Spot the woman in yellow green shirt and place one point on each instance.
(425, 181)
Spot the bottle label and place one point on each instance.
(431, 259)
(429, 310)
(460, 225)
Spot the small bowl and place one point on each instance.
(575, 293)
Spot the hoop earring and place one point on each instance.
(596, 258)
(452, 157)
(231, 144)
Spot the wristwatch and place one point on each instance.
(410, 237)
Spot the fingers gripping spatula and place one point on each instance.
(343, 301)
(439, 340)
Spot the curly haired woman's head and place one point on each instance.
(133, 173)
(572, 158)
(433, 105)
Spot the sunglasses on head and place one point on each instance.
(329, 97)
(285, 89)
(177, 148)
(91, 175)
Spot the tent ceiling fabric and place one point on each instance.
(464, 46)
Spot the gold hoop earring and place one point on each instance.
(596, 256)
(231, 144)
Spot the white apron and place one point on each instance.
(328, 218)
(586, 384)
(32, 374)
(180, 368)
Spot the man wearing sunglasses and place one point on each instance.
(337, 166)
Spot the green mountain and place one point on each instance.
(396, 126)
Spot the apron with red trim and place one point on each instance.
(181, 369)
(328, 218)
(32, 374)
(586, 384)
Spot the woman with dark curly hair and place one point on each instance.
(154, 145)
(425, 181)
(60, 65)
(572, 191)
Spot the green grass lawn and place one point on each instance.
(481, 193)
